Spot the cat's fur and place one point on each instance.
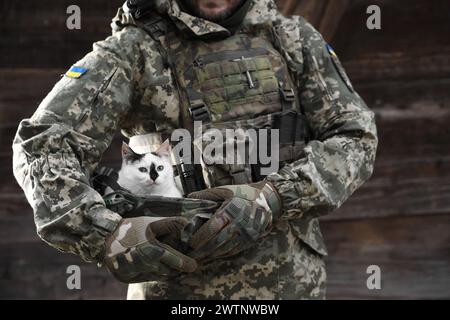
(149, 174)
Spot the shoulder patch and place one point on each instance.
(76, 72)
(331, 51)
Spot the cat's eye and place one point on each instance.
(142, 169)
(160, 168)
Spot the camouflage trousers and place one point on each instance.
(281, 266)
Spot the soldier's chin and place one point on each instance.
(214, 14)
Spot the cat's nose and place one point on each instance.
(153, 175)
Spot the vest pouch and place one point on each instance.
(238, 78)
(230, 151)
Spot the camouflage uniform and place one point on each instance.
(128, 85)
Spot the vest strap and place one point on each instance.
(240, 175)
(104, 178)
(157, 28)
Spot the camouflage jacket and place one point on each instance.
(126, 85)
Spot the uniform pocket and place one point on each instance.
(321, 81)
(89, 111)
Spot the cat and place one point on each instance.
(149, 174)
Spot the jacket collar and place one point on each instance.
(261, 12)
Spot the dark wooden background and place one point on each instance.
(399, 220)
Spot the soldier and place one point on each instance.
(227, 63)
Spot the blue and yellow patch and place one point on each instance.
(331, 51)
(76, 72)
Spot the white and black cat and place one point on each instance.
(149, 174)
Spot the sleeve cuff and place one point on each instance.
(104, 222)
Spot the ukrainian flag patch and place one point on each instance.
(76, 72)
(331, 51)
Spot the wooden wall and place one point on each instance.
(399, 220)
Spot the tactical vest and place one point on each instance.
(241, 81)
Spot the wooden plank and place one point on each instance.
(413, 133)
(413, 254)
(411, 27)
(21, 91)
(22, 86)
(404, 94)
(388, 198)
(332, 17)
(311, 10)
(42, 39)
(51, 16)
(406, 49)
(325, 15)
(37, 271)
(399, 66)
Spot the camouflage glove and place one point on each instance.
(247, 214)
(134, 252)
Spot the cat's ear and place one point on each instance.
(128, 154)
(126, 150)
(164, 149)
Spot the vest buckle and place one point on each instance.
(199, 111)
(288, 94)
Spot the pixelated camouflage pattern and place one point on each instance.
(341, 154)
(279, 267)
(128, 86)
(55, 150)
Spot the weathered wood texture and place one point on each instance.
(399, 220)
(412, 253)
(326, 15)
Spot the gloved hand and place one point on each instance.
(135, 254)
(247, 214)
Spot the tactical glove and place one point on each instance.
(246, 215)
(134, 252)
